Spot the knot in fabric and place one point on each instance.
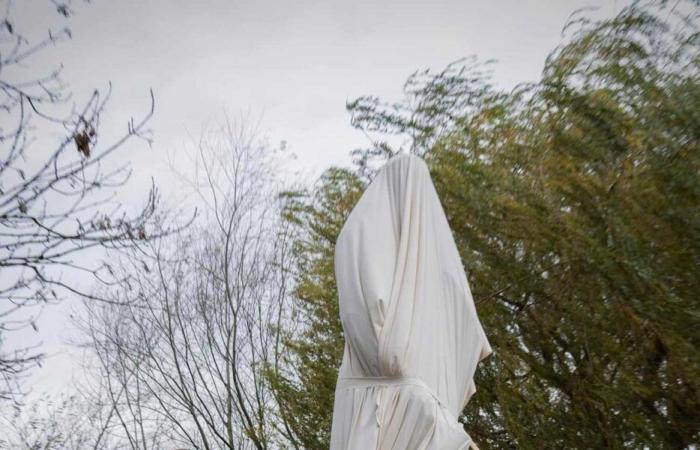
(366, 382)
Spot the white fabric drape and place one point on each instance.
(412, 335)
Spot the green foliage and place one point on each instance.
(575, 203)
(304, 388)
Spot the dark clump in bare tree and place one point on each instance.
(57, 185)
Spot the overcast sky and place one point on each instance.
(290, 65)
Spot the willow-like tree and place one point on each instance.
(304, 379)
(575, 205)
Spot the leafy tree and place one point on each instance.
(305, 382)
(575, 205)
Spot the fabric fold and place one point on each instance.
(412, 335)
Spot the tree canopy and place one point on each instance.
(574, 203)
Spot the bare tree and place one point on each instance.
(185, 363)
(56, 193)
(57, 422)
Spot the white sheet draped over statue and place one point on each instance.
(412, 335)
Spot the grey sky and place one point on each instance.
(293, 65)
